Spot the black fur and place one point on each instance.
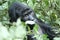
(30, 37)
(17, 10)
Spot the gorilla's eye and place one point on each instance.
(27, 12)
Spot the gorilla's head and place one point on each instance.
(28, 15)
(17, 10)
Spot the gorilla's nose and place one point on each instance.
(31, 18)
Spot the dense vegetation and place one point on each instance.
(46, 10)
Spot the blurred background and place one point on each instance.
(46, 10)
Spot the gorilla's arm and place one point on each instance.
(46, 29)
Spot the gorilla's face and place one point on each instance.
(28, 17)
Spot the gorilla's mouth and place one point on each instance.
(31, 24)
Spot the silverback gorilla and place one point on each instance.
(25, 13)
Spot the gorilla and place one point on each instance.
(25, 13)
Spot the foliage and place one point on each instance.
(46, 10)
